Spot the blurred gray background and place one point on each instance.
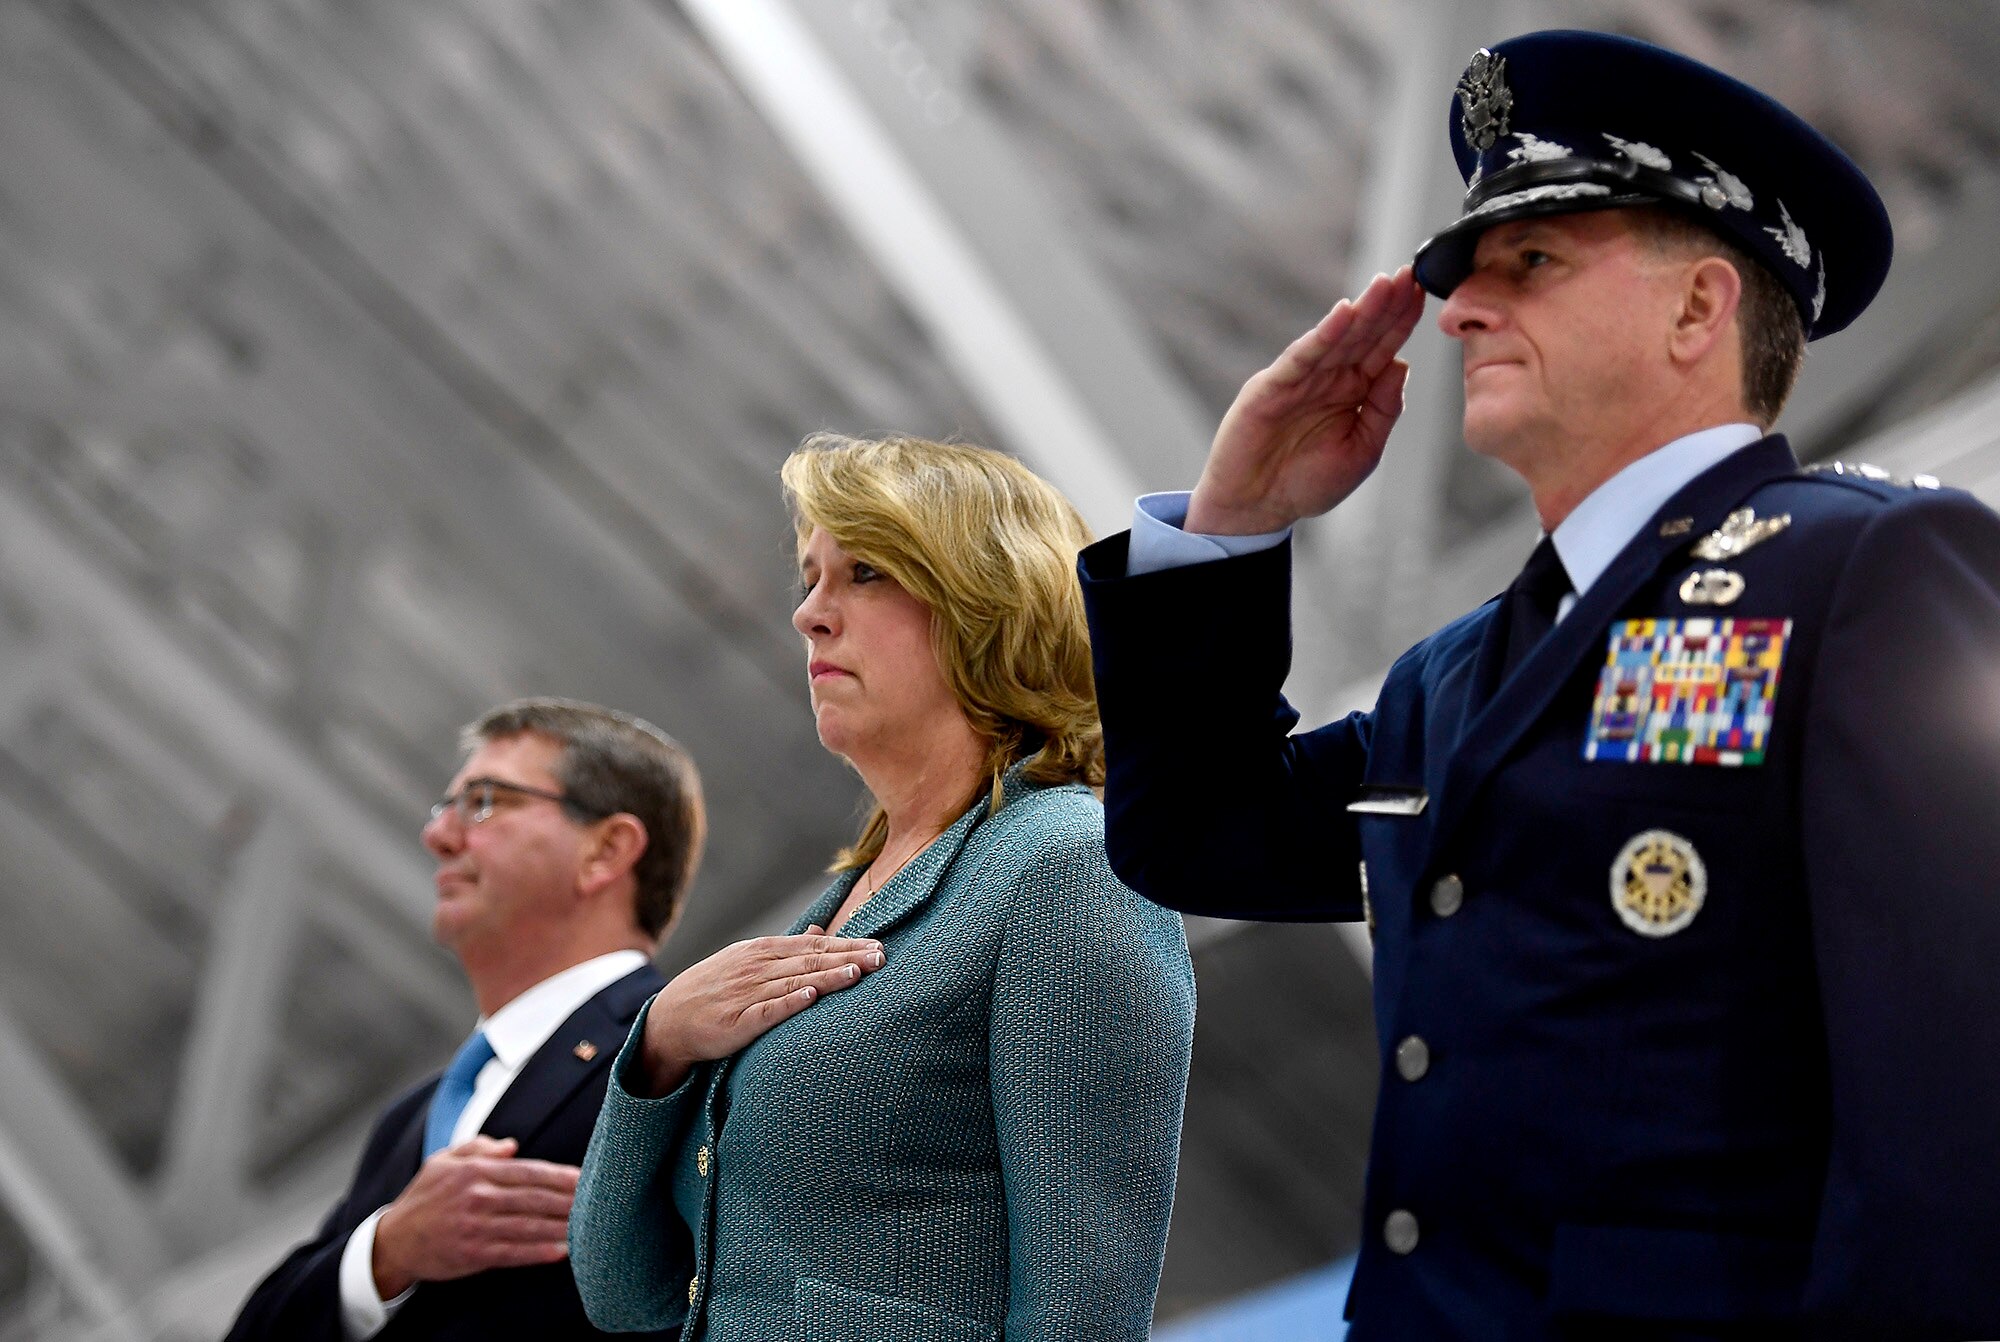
(366, 362)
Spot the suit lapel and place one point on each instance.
(392, 1174)
(909, 889)
(560, 1066)
(823, 907)
(1513, 707)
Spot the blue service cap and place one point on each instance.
(1560, 122)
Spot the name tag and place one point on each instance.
(1390, 801)
(1687, 692)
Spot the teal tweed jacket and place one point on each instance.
(977, 1141)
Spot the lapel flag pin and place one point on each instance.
(585, 1050)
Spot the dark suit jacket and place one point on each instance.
(1778, 1119)
(550, 1108)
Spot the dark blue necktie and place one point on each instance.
(454, 1092)
(1532, 602)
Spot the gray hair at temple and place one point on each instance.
(613, 762)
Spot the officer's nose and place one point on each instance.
(1469, 309)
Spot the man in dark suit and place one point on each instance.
(563, 846)
(1681, 853)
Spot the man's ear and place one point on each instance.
(612, 851)
(1711, 291)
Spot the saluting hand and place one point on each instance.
(1304, 433)
(714, 1008)
(472, 1207)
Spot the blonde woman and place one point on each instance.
(948, 1106)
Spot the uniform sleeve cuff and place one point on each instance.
(1158, 542)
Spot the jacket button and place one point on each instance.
(1447, 895)
(1399, 1231)
(1413, 1058)
(701, 1162)
(694, 1283)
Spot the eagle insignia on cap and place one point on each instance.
(1722, 188)
(1791, 238)
(1485, 100)
(1640, 152)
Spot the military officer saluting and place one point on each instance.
(1684, 851)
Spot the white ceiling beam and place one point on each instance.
(1384, 541)
(934, 196)
(233, 1039)
(72, 1196)
(937, 197)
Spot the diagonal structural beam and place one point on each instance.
(234, 1033)
(880, 156)
(44, 561)
(77, 1203)
(934, 193)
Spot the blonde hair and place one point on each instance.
(990, 548)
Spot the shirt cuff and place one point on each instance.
(363, 1312)
(1159, 543)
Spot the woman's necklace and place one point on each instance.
(890, 874)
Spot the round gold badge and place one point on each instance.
(1658, 883)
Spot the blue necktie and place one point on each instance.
(454, 1092)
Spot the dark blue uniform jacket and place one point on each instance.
(550, 1109)
(1781, 1120)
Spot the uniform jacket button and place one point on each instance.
(1413, 1058)
(1399, 1231)
(1447, 895)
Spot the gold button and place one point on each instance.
(701, 1162)
(694, 1284)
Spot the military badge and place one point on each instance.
(1638, 151)
(1711, 587)
(1533, 149)
(1658, 883)
(1484, 100)
(1721, 188)
(1791, 239)
(1687, 692)
(1739, 531)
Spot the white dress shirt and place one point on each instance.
(515, 1031)
(1586, 541)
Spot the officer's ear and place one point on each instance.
(1711, 291)
(611, 849)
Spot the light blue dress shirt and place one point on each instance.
(1586, 541)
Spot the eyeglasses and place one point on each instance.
(473, 803)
